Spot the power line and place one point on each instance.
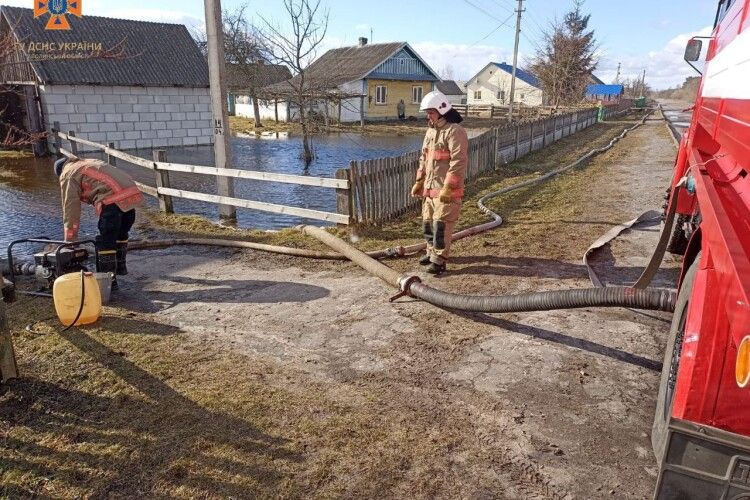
(482, 10)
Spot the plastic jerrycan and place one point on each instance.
(67, 295)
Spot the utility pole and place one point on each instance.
(515, 61)
(643, 83)
(617, 77)
(219, 121)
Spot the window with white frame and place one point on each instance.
(381, 94)
(416, 94)
(501, 96)
(478, 95)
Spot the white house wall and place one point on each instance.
(492, 80)
(266, 109)
(131, 117)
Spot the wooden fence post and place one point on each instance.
(162, 181)
(8, 366)
(276, 110)
(111, 159)
(344, 198)
(58, 140)
(531, 136)
(515, 151)
(544, 132)
(73, 144)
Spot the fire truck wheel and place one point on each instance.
(671, 363)
(678, 242)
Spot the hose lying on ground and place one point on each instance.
(399, 251)
(654, 299)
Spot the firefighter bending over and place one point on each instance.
(113, 194)
(440, 178)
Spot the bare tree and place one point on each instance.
(296, 48)
(565, 60)
(447, 72)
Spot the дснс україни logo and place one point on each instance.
(57, 10)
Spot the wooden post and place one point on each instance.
(515, 152)
(326, 118)
(58, 141)
(339, 113)
(162, 181)
(362, 111)
(492, 111)
(531, 136)
(34, 115)
(554, 127)
(8, 366)
(544, 132)
(344, 200)
(111, 159)
(73, 144)
(276, 110)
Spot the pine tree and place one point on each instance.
(565, 61)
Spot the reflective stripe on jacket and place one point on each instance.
(96, 183)
(444, 159)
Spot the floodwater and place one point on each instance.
(30, 195)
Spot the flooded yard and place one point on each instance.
(30, 196)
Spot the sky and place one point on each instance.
(459, 37)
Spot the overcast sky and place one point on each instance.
(467, 34)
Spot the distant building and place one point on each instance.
(492, 86)
(155, 95)
(370, 79)
(242, 79)
(451, 89)
(605, 93)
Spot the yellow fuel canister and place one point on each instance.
(67, 296)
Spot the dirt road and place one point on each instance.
(242, 374)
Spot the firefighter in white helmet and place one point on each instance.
(440, 178)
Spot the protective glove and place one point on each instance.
(417, 189)
(446, 194)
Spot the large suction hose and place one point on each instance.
(654, 299)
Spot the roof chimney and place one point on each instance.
(362, 41)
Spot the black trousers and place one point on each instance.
(114, 225)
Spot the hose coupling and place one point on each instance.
(404, 285)
(394, 251)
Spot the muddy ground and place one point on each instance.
(221, 373)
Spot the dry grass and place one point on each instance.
(135, 408)
(13, 154)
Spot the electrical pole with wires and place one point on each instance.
(617, 76)
(515, 60)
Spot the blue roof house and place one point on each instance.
(491, 85)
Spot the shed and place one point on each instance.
(452, 90)
(137, 84)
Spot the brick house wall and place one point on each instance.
(131, 117)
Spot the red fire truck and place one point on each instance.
(701, 432)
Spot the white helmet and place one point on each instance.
(435, 100)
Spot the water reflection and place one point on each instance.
(30, 195)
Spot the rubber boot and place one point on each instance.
(108, 264)
(436, 269)
(425, 260)
(122, 255)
